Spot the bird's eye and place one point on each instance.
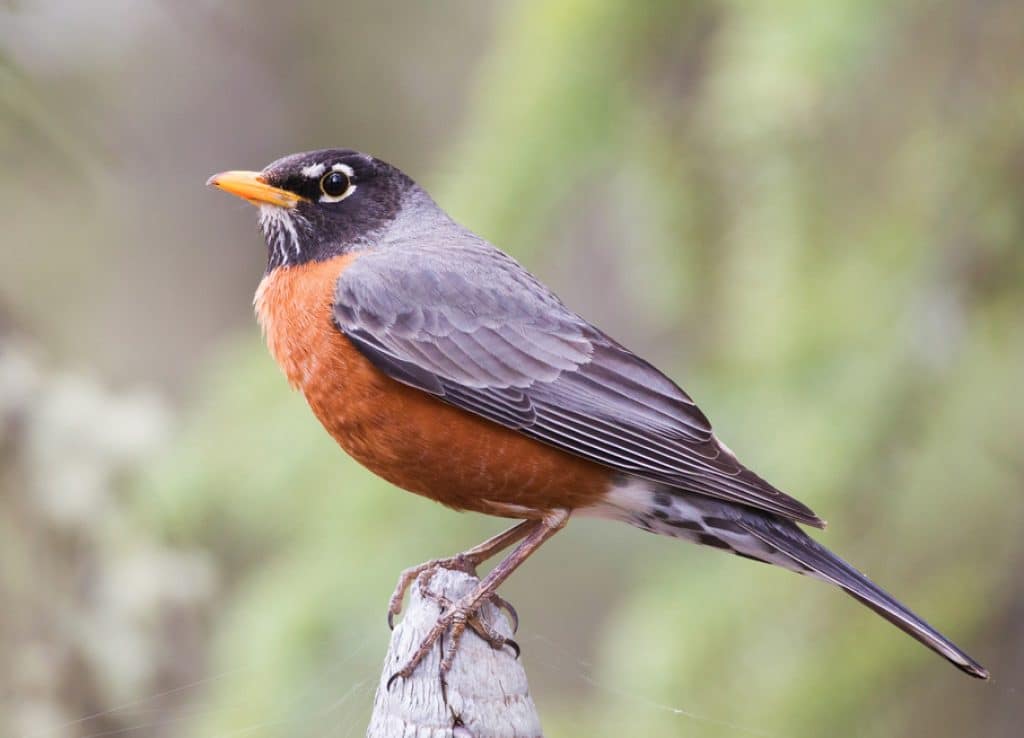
(335, 185)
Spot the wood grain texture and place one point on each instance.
(486, 696)
(403, 434)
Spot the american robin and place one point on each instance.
(442, 365)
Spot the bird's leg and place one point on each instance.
(479, 625)
(465, 610)
(467, 562)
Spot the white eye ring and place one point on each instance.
(344, 169)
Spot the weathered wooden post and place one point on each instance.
(485, 695)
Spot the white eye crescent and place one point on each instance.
(336, 184)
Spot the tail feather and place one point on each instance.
(768, 538)
(793, 542)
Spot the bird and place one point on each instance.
(441, 364)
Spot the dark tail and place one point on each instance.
(810, 554)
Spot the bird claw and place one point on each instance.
(456, 617)
(502, 604)
(451, 617)
(480, 626)
(515, 647)
(466, 611)
(459, 562)
(391, 680)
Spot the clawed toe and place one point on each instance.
(480, 626)
(461, 563)
(502, 604)
(486, 631)
(454, 619)
(514, 646)
(444, 620)
(493, 638)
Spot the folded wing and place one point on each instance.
(473, 328)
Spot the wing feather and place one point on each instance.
(480, 333)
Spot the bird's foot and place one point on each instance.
(454, 618)
(477, 622)
(459, 562)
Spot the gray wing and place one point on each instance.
(473, 328)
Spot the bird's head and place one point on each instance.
(320, 204)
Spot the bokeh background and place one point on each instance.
(810, 213)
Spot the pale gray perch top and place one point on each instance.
(486, 697)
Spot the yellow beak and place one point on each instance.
(253, 187)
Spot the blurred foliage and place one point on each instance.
(96, 609)
(810, 214)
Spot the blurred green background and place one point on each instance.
(809, 213)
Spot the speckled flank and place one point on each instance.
(659, 509)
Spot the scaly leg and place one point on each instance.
(480, 625)
(466, 562)
(459, 614)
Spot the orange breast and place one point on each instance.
(406, 436)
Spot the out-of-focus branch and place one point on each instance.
(485, 695)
